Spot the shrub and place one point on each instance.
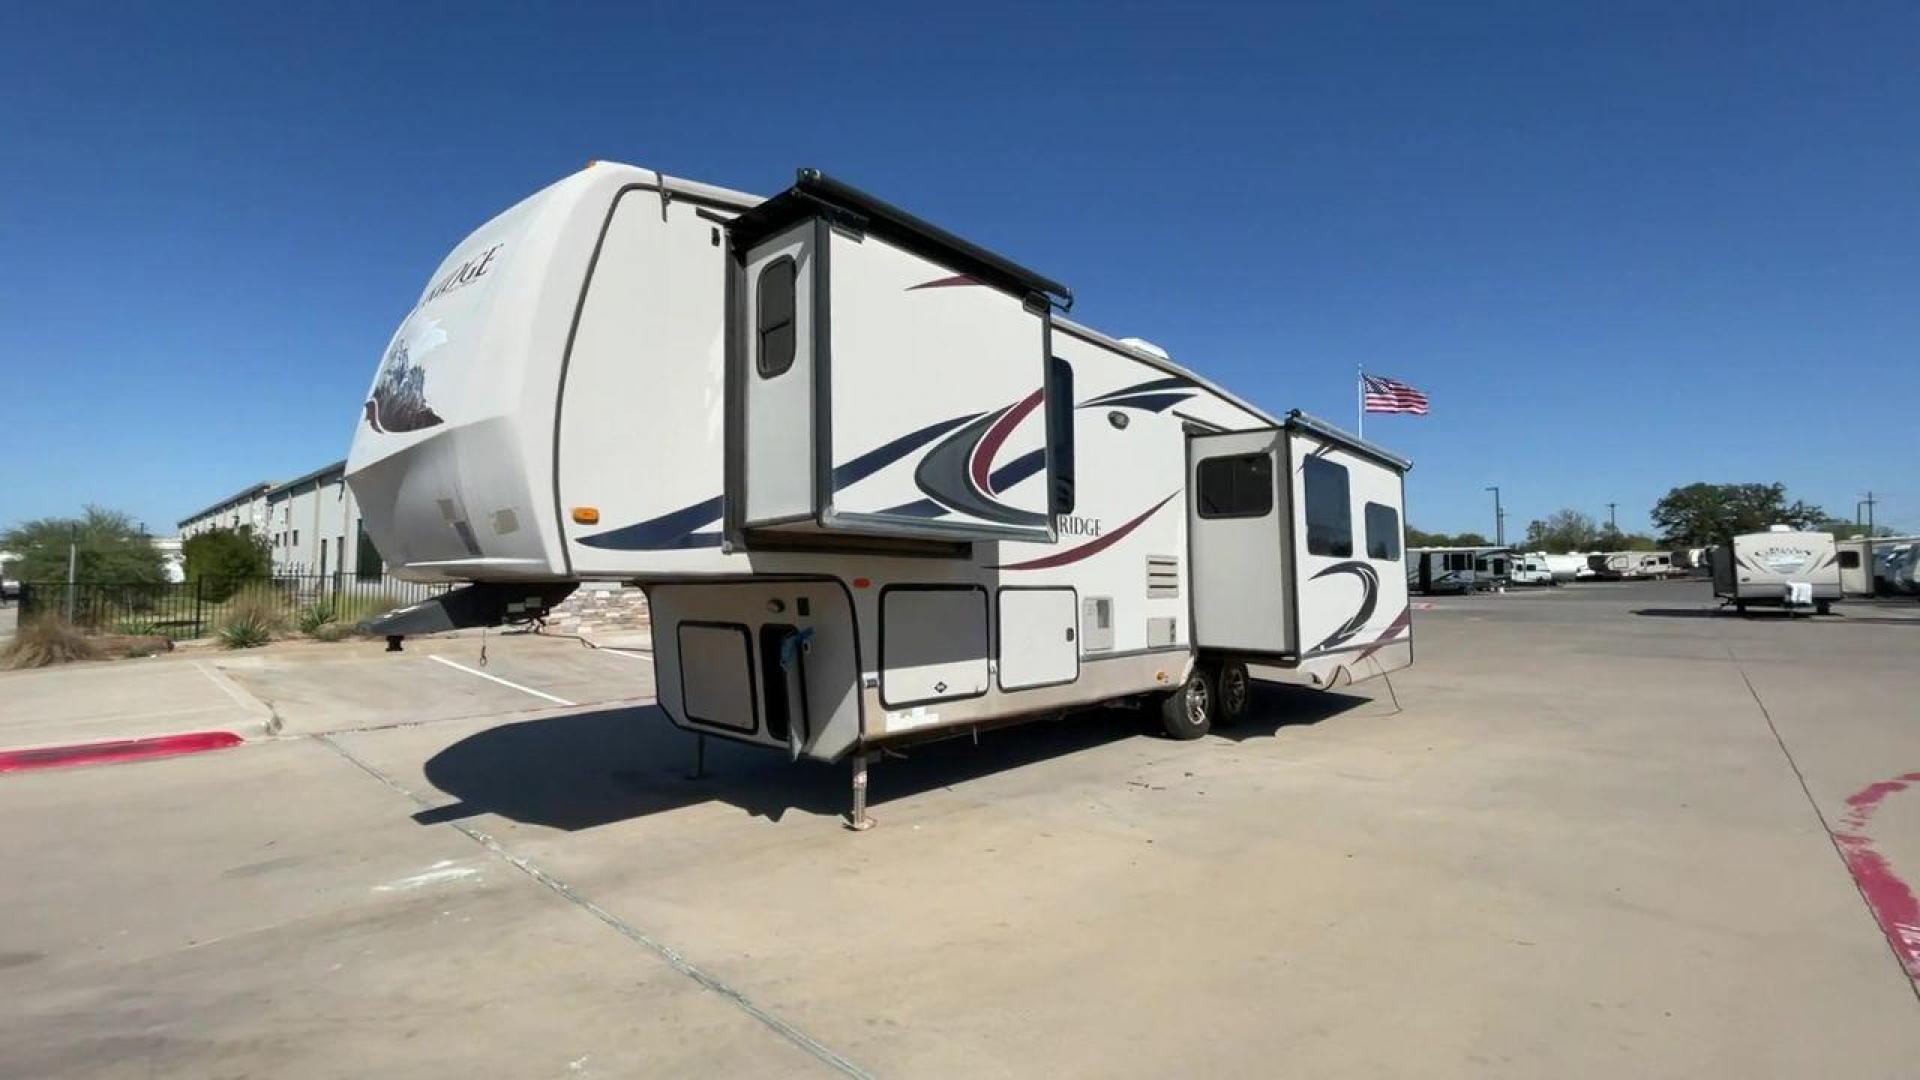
(223, 560)
(359, 607)
(252, 618)
(315, 617)
(44, 640)
(138, 626)
(332, 631)
(244, 633)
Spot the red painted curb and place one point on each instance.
(1890, 898)
(101, 753)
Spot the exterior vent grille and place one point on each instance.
(1163, 577)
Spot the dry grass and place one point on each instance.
(44, 640)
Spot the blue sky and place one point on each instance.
(1624, 247)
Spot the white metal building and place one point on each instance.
(311, 523)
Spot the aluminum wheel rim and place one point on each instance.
(1233, 691)
(1197, 701)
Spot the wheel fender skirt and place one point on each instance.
(488, 603)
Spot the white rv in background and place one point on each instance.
(876, 487)
(1778, 568)
(1569, 567)
(1873, 567)
(1457, 569)
(1533, 569)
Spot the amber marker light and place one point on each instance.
(586, 515)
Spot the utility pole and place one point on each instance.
(1866, 554)
(73, 568)
(1611, 527)
(1499, 517)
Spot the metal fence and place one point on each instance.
(191, 609)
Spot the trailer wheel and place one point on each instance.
(1187, 713)
(1740, 607)
(1234, 692)
(1823, 607)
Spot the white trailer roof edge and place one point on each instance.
(743, 201)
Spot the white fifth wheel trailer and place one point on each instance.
(1433, 570)
(1778, 568)
(876, 487)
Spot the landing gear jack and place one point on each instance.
(699, 758)
(859, 821)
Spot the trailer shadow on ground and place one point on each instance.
(593, 768)
(587, 769)
(1838, 618)
(1275, 706)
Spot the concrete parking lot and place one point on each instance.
(1594, 831)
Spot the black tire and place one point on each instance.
(1823, 607)
(1187, 713)
(1233, 693)
(1740, 607)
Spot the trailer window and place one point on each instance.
(1235, 487)
(774, 305)
(1060, 433)
(1849, 560)
(1329, 509)
(1383, 532)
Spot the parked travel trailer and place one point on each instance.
(1569, 567)
(1778, 568)
(876, 486)
(1611, 565)
(1628, 565)
(1458, 569)
(1533, 569)
(1872, 567)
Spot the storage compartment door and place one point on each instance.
(933, 644)
(774, 366)
(1237, 520)
(716, 675)
(1037, 638)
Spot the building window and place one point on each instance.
(1383, 532)
(774, 303)
(1235, 487)
(1329, 509)
(366, 558)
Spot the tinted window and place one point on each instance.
(1850, 560)
(1383, 532)
(774, 301)
(1060, 433)
(1234, 487)
(1329, 509)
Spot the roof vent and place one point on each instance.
(1146, 346)
(1779, 528)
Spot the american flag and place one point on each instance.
(1382, 394)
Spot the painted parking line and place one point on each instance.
(503, 682)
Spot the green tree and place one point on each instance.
(112, 550)
(1702, 514)
(222, 559)
(1562, 531)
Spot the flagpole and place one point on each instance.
(1360, 399)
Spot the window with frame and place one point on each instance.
(1329, 507)
(1383, 532)
(774, 303)
(1240, 486)
(1849, 560)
